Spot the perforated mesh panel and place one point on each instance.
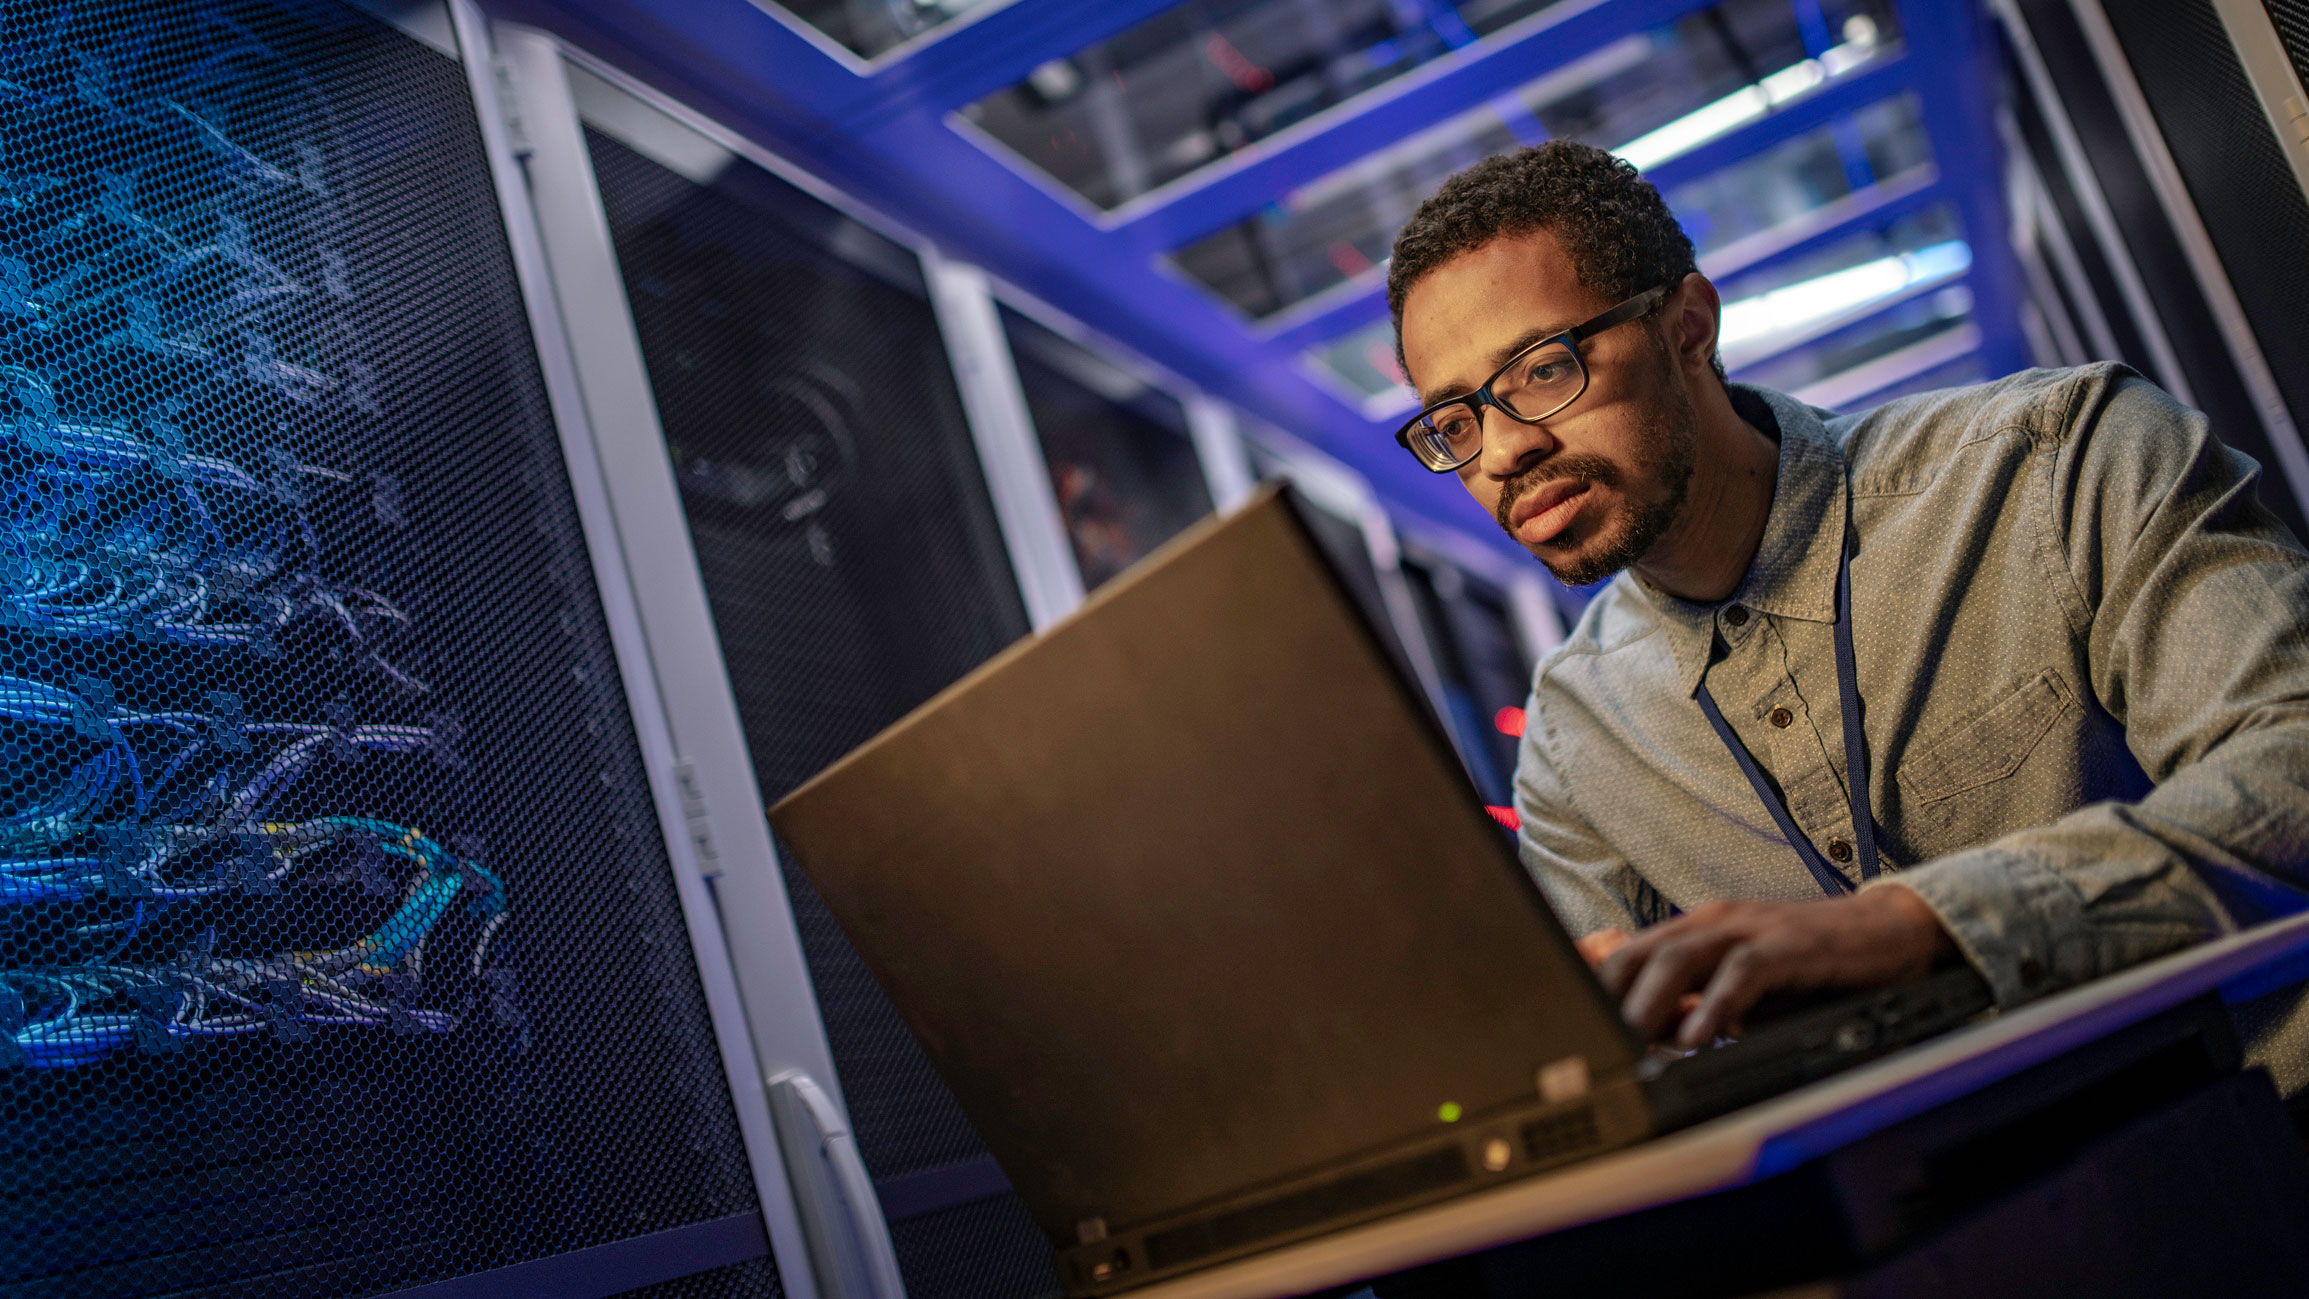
(2099, 283)
(754, 1280)
(2179, 302)
(987, 1249)
(1120, 460)
(2237, 175)
(847, 545)
(339, 946)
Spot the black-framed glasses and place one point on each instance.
(1534, 384)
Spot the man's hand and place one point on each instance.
(1700, 972)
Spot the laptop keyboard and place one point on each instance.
(1811, 1044)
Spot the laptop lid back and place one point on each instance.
(1190, 893)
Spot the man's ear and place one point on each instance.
(1694, 314)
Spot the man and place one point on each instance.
(2076, 647)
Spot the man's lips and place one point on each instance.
(1546, 510)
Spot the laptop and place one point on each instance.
(1191, 903)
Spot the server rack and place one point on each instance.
(345, 948)
(2229, 186)
(2173, 208)
(1469, 625)
(1120, 449)
(833, 526)
(625, 181)
(1003, 424)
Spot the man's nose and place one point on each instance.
(1510, 446)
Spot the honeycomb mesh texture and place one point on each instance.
(339, 947)
(842, 529)
(2236, 172)
(754, 1279)
(1121, 462)
(986, 1249)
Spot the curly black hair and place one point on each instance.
(1621, 237)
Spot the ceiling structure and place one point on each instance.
(1213, 184)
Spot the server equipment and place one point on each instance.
(340, 947)
(833, 514)
(1122, 463)
(2163, 151)
(1484, 672)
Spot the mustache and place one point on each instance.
(1590, 469)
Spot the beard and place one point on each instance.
(1664, 456)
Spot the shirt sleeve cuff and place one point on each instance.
(2015, 920)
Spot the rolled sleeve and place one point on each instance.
(2024, 925)
(2199, 648)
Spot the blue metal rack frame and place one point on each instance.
(889, 132)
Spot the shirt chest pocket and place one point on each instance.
(1961, 789)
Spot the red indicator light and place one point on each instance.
(1506, 816)
(1509, 720)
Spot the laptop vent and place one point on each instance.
(1559, 1136)
(1269, 1219)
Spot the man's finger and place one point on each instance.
(1627, 959)
(1621, 967)
(1677, 965)
(1740, 979)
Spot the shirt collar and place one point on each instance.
(1794, 572)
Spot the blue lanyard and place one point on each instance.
(1831, 881)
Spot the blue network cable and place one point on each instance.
(45, 851)
(106, 531)
(160, 256)
(78, 1015)
(162, 566)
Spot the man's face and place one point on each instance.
(1590, 489)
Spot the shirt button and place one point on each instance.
(1736, 616)
(1781, 717)
(1839, 851)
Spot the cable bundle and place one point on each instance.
(179, 356)
(210, 780)
(79, 1015)
(112, 534)
(201, 778)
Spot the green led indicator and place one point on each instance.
(1449, 1111)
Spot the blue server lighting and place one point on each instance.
(341, 950)
(161, 277)
(111, 534)
(61, 1017)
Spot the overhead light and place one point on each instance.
(1055, 80)
(1750, 325)
(1723, 116)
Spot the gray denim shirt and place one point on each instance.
(2083, 653)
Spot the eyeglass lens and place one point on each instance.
(1534, 386)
